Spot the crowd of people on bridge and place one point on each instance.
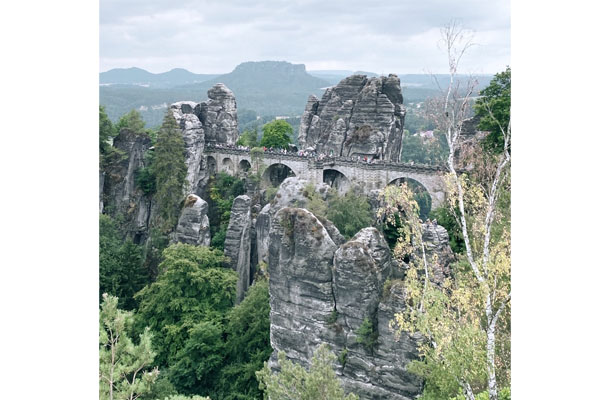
(307, 153)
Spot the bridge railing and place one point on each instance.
(318, 161)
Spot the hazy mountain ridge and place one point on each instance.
(269, 88)
(140, 77)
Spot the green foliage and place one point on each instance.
(169, 170)
(349, 213)
(343, 357)
(161, 389)
(109, 155)
(422, 150)
(132, 121)
(295, 382)
(248, 138)
(122, 272)
(332, 318)
(183, 397)
(107, 131)
(503, 394)
(123, 365)
(494, 109)
(192, 287)
(446, 219)
(146, 180)
(198, 363)
(221, 190)
(366, 334)
(270, 193)
(247, 345)
(276, 134)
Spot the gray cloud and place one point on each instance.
(214, 36)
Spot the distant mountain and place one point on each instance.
(335, 76)
(271, 88)
(140, 77)
(267, 88)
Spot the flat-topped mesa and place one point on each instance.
(359, 116)
(213, 121)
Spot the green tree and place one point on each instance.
(124, 371)
(247, 344)
(221, 190)
(493, 107)
(193, 287)
(276, 134)
(295, 382)
(108, 154)
(107, 131)
(169, 170)
(197, 365)
(132, 121)
(350, 212)
(248, 138)
(122, 272)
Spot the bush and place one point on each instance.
(349, 213)
(366, 334)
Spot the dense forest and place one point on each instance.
(170, 326)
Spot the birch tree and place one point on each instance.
(460, 318)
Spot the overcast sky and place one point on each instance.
(213, 36)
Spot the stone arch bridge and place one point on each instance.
(340, 173)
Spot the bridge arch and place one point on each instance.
(211, 165)
(227, 166)
(244, 165)
(275, 174)
(336, 179)
(422, 195)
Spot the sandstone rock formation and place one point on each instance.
(122, 197)
(438, 251)
(194, 139)
(237, 243)
(321, 292)
(219, 116)
(213, 121)
(291, 193)
(358, 117)
(193, 225)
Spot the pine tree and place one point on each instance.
(124, 372)
(169, 168)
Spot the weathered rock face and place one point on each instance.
(322, 293)
(358, 117)
(438, 252)
(238, 241)
(122, 197)
(213, 121)
(193, 225)
(219, 116)
(300, 284)
(194, 138)
(291, 193)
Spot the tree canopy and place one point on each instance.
(248, 138)
(122, 271)
(169, 170)
(494, 109)
(193, 287)
(132, 121)
(276, 134)
(295, 382)
(124, 367)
